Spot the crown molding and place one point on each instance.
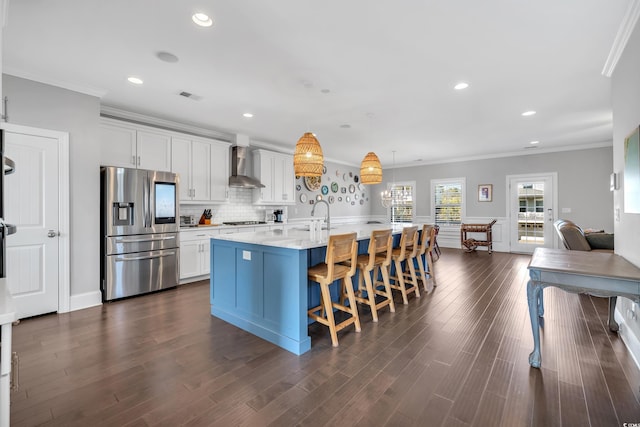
(143, 119)
(620, 42)
(87, 90)
(528, 152)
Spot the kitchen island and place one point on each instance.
(259, 279)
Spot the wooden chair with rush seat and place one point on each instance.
(341, 248)
(403, 258)
(425, 258)
(371, 265)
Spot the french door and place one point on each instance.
(532, 201)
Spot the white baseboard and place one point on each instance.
(85, 300)
(629, 338)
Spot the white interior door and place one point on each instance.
(532, 211)
(31, 203)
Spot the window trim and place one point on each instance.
(462, 181)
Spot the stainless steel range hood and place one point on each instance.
(239, 178)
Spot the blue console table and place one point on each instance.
(593, 273)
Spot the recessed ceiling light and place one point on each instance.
(135, 80)
(534, 142)
(202, 19)
(247, 115)
(325, 90)
(461, 85)
(345, 126)
(528, 113)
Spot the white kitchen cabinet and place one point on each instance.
(203, 166)
(192, 161)
(219, 171)
(275, 172)
(134, 146)
(194, 253)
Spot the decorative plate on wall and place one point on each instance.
(361, 202)
(319, 197)
(343, 190)
(311, 201)
(356, 179)
(352, 188)
(339, 198)
(298, 187)
(353, 203)
(324, 170)
(313, 182)
(303, 198)
(334, 187)
(348, 199)
(325, 189)
(332, 199)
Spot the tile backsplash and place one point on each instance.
(239, 208)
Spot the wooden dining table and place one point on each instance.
(593, 273)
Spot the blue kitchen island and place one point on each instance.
(259, 280)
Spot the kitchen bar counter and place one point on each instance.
(259, 280)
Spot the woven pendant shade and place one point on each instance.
(307, 158)
(371, 169)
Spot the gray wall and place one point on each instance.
(583, 183)
(49, 107)
(626, 117)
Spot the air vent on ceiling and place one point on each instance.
(190, 96)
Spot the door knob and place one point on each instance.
(52, 233)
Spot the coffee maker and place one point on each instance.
(277, 215)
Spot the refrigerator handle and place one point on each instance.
(147, 203)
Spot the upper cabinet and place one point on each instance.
(133, 146)
(275, 172)
(203, 165)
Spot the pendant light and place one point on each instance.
(307, 158)
(371, 169)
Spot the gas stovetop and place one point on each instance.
(243, 222)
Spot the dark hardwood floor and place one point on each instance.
(456, 357)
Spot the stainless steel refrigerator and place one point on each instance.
(140, 241)
(8, 168)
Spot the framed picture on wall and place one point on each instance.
(485, 192)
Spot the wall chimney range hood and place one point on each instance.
(239, 178)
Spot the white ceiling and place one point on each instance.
(389, 67)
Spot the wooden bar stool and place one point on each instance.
(406, 252)
(340, 248)
(376, 261)
(425, 258)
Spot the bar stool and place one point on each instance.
(436, 247)
(376, 261)
(425, 258)
(340, 248)
(406, 252)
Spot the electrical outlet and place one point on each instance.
(617, 214)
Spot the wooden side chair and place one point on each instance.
(371, 265)
(425, 258)
(341, 248)
(406, 253)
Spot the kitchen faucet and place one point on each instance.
(328, 213)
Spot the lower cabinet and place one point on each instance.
(194, 254)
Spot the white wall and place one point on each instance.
(626, 117)
(48, 107)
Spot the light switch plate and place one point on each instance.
(246, 255)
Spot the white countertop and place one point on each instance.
(7, 309)
(300, 238)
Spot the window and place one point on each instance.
(448, 201)
(402, 207)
